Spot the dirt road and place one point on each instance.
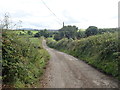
(65, 71)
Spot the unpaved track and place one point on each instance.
(65, 71)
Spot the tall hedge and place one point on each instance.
(101, 51)
(22, 62)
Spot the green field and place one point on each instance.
(24, 31)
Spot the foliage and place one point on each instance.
(23, 59)
(25, 32)
(29, 33)
(44, 33)
(101, 51)
(74, 33)
(66, 32)
(91, 30)
(104, 30)
(80, 34)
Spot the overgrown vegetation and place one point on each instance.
(23, 59)
(100, 51)
(72, 32)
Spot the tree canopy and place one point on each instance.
(67, 32)
(91, 30)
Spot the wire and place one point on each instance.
(59, 20)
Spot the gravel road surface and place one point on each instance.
(66, 71)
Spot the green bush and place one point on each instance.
(23, 60)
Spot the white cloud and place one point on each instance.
(82, 13)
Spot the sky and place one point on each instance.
(81, 13)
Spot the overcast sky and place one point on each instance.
(82, 13)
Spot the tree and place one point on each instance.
(67, 32)
(37, 35)
(91, 30)
(6, 23)
(6, 20)
(57, 36)
(80, 34)
(44, 33)
(29, 33)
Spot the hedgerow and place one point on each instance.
(100, 51)
(23, 60)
